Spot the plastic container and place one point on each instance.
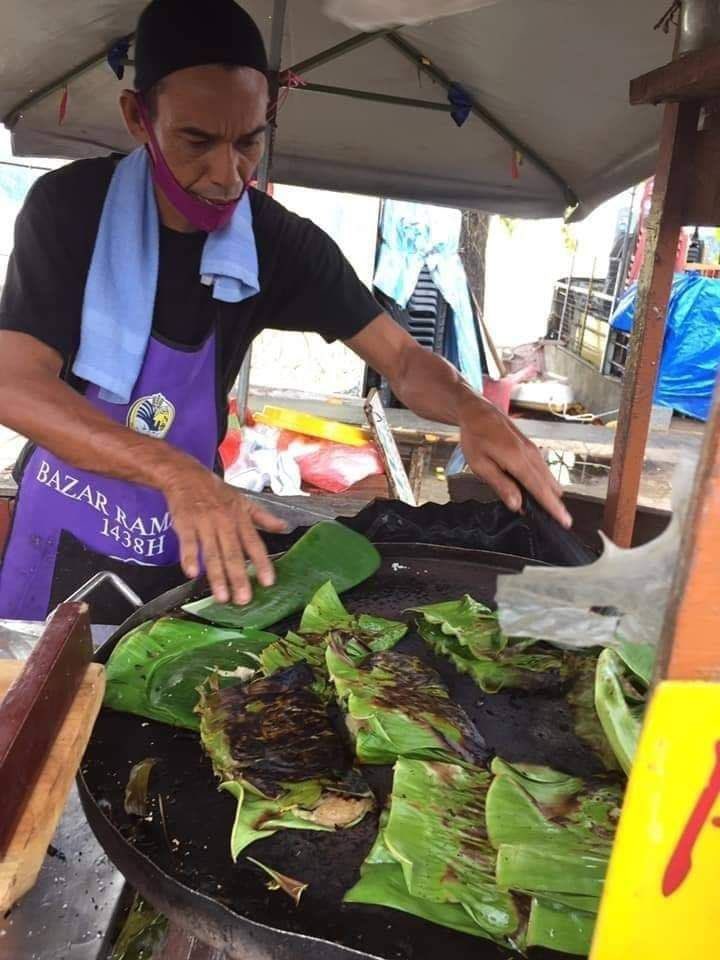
(313, 426)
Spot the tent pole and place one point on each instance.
(332, 53)
(275, 58)
(265, 170)
(13, 115)
(439, 76)
(377, 97)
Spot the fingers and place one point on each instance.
(187, 539)
(502, 484)
(215, 524)
(526, 465)
(214, 566)
(257, 551)
(233, 557)
(507, 460)
(266, 521)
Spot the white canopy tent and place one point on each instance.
(548, 81)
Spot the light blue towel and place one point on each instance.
(121, 284)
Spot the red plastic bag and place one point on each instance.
(229, 449)
(330, 466)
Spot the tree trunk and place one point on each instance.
(473, 250)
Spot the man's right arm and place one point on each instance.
(213, 521)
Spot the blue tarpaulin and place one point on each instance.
(691, 352)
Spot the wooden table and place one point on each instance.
(407, 427)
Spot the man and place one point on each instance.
(134, 290)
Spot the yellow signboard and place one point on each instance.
(662, 894)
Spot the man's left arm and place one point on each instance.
(495, 450)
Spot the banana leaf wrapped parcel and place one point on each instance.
(397, 706)
(274, 749)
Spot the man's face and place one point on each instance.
(210, 124)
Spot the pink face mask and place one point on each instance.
(202, 215)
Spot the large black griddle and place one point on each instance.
(179, 859)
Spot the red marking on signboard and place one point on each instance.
(680, 863)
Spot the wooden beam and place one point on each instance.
(35, 706)
(689, 646)
(702, 202)
(666, 218)
(694, 76)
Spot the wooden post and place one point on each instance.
(689, 648)
(418, 464)
(666, 219)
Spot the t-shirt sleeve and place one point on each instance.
(312, 286)
(44, 285)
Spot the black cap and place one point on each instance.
(175, 34)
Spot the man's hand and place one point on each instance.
(212, 520)
(497, 452)
(431, 387)
(216, 523)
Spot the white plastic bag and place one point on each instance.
(260, 465)
(377, 14)
(565, 604)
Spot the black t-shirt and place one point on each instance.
(305, 281)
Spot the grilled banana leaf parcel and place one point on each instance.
(433, 858)
(274, 749)
(473, 625)
(382, 882)
(553, 834)
(622, 680)
(396, 706)
(155, 670)
(324, 618)
(325, 613)
(469, 634)
(328, 551)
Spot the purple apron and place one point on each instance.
(63, 514)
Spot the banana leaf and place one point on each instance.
(581, 700)
(530, 804)
(326, 613)
(396, 706)
(554, 926)
(274, 749)
(621, 684)
(553, 833)
(280, 881)
(569, 876)
(520, 665)
(433, 858)
(639, 658)
(473, 624)
(323, 618)
(144, 932)
(293, 649)
(468, 633)
(435, 833)
(382, 882)
(155, 670)
(299, 806)
(328, 551)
